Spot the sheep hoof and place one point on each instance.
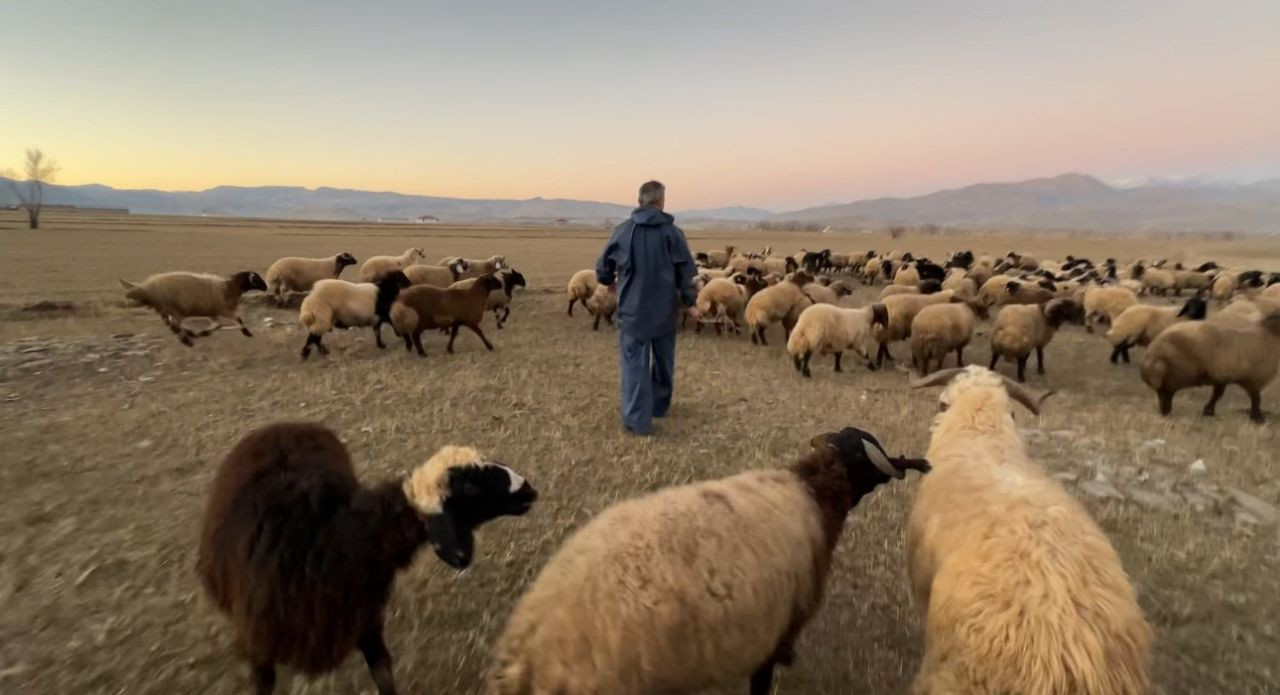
(245, 332)
(1257, 417)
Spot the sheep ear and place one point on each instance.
(881, 460)
(823, 441)
(452, 544)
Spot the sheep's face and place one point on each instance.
(456, 491)
(866, 463)
(344, 260)
(249, 280)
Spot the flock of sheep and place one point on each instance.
(711, 583)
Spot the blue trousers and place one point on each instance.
(646, 385)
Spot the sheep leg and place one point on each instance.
(244, 330)
(595, 325)
(1039, 360)
(476, 329)
(1213, 400)
(453, 334)
(377, 335)
(1166, 401)
(959, 358)
(408, 342)
(759, 334)
(312, 339)
(804, 364)
(571, 302)
(1115, 354)
(762, 679)
(994, 358)
(838, 356)
(379, 661)
(1255, 404)
(264, 678)
(184, 335)
(1022, 368)
(417, 343)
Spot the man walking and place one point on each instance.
(648, 258)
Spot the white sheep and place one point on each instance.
(341, 304)
(781, 302)
(378, 267)
(581, 286)
(295, 274)
(693, 586)
(1106, 302)
(1019, 589)
(724, 300)
(1021, 328)
(902, 311)
(941, 329)
(437, 275)
(177, 296)
(995, 290)
(891, 290)
(828, 294)
(824, 328)
(1141, 323)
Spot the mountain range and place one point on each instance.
(1069, 201)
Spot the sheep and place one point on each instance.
(892, 290)
(301, 557)
(995, 289)
(1156, 281)
(179, 295)
(602, 304)
(294, 274)
(958, 281)
(824, 328)
(1141, 323)
(824, 295)
(479, 266)
(1272, 291)
(902, 311)
(341, 304)
(940, 329)
(499, 301)
(377, 267)
(692, 586)
(774, 264)
(437, 275)
(1018, 588)
(424, 307)
(907, 275)
(723, 301)
(1024, 293)
(1106, 302)
(781, 302)
(1196, 280)
(1021, 328)
(1237, 349)
(581, 285)
(719, 258)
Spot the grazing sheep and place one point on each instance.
(602, 303)
(692, 586)
(294, 274)
(781, 302)
(1018, 588)
(341, 304)
(902, 311)
(1023, 293)
(423, 307)
(941, 329)
(377, 267)
(1141, 323)
(499, 301)
(1236, 349)
(179, 295)
(1021, 328)
(1106, 302)
(301, 557)
(437, 275)
(824, 328)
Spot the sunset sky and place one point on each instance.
(769, 104)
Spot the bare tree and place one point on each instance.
(38, 171)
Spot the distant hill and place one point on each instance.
(733, 213)
(1072, 201)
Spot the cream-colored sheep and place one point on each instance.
(1141, 323)
(902, 311)
(891, 290)
(823, 328)
(723, 301)
(177, 296)
(939, 330)
(907, 275)
(377, 267)
(719, 258)
(1106, 302)
(480, 266)
(581, 286)
(1018, 588)
(341, 304)
(781, 302)
(1021, 328)
(602, 303)
(1156, 281)
(691, 587)
(958, 281)
(437, 275)
(1196, 280)
(818, 294)
(295, 274)
(995, 290)
(1022, 292)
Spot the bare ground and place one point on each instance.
(110, 432)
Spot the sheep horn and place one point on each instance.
(938, 378)
(1024, 396)
(881, 461)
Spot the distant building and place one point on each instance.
(426, 219)
(562, 222)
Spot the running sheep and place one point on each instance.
(581, 286)
(294, 274)
(377, 267)
(179, 295)
(341, 304)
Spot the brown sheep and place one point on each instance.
(423, 307)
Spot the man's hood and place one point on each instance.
(651, 216)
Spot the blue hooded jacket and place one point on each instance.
(649, 256)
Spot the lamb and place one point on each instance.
(1237, 349)
(499, 301)
(602, 304)
(781, 302)
(377, 267)
(1106, 302)
(1018, 588)
(824, 328)
(1024, 293)
(341, 304)
(1021, 328)
(422, 307)
(902, 311)
(294, 274)
(177, 296)
(1141, 323)
(437, 275)
(693, 586)
(301, 557)
(581, 285)
(941, 329)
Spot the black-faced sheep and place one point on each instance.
(341, 304)
(692, 586)
(1242, 350)
(1018, 588)
(437, 275)
(499, 301)
(294, 274)
(1021, 328)
(423, 307)
(377, 267)
(1141, 323)
(1106, 302)
(824, 328)
(179, 295)
(941, 329)
(301, 557)
(902, 311)
(724, 300)
(781, 302)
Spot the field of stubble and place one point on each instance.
(110, 431)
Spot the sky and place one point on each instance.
(736, 102)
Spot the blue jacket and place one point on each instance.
(649, 256)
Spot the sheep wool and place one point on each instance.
(378, 267)
(1141, 323)
(179, 295)
(581, 285)
(1019, 589)
(294, 274)
(939, 330)
(1106, 302)
(824, 328)
(781, 302)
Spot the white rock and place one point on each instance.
(1198, 466)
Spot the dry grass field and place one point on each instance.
(110, 432)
